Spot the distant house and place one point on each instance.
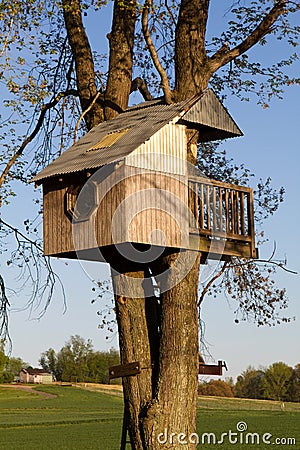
(38, 376)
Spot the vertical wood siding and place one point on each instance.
(165, 151)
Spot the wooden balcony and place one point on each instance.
(222, 219)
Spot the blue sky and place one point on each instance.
(270, 147)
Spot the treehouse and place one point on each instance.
(125, 193)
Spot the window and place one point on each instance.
(108, 140)
(81, 201)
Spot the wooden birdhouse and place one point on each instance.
(126, 194)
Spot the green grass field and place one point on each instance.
(82, 419)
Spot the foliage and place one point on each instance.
(38, 76)
(55, 89)
(216, 388)
(77, 361)
(9, 366)
(249, 283)
(3, 361)
(276, 381)
(249, 384)
(293, 393)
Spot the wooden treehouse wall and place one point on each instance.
(134, 206)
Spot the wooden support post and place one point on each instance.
(124, 431)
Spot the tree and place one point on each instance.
(77, 361)
(9, 366)
(3, 362)
(14, 367)
(99, 364)
(293, 394)
(249, 384)
(276, 381)
(217, 388)
(67, 82)
(51, 363)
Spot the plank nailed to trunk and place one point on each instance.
(125, 370)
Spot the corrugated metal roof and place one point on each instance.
(211, 112)
(142, 122)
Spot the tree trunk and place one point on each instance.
(164, 339)
(139, 341)
(173, 410)
(84, 63)
(192, 72)
(121, 41)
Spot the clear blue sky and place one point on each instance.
(270, 147)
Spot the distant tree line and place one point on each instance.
(78, 361)
(278, 382)
(9, 367)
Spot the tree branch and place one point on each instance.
(37, 128)
(141, 85)
(4, 305)
(146, 32)
(83, 114)
(224, 55)
(211, 281)
(28, 256)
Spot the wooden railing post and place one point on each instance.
(223, 210)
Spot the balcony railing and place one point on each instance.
(222, 211)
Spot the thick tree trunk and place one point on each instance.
(121, 40)
(139, 341)
(164, 338)
(192, 71)
(84, 63)
(171, 418)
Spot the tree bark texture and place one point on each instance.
(173, 409)
(192, 72)
(121, 41)
(137, 320)
(164, 339)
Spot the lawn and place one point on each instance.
(81, 419)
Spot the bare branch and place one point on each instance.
(279, 264)
(224, 55)
(19, 233)
(4, 305)
(146, 32)
(35, 269)
(211, 281)
(29, 138)
(83, 114)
